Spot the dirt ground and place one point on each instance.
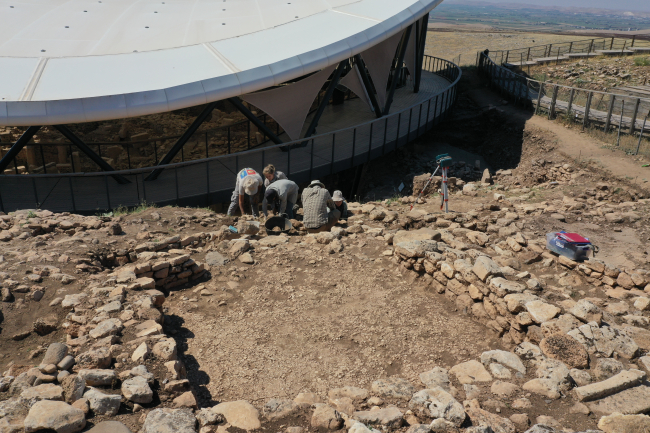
(305, 322)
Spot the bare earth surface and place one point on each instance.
(293, 326)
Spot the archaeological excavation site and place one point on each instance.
(296, 217)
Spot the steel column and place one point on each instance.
(328, 94)
(256, 121)
(183, 139)
(398, 67)
(90, 153)
(17, 147)
(424, 27)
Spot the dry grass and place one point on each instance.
(448, 45)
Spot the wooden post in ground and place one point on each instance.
(539, 97)
(633, 38)
(611, 44)
(609, 112)
(570, 47)
(571, 94)
(620, 124)
(635, 112)
(551, 108)
(585, 120)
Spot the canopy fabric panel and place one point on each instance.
(354, 82)
(289, 105)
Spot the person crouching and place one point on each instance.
(319, 211)
(248, 183)
(284, 192)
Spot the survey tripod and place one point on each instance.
(444, 162)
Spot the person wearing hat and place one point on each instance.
(319, 210)
(283, 191)
(271, 175)
(248, 183)
(340, 203)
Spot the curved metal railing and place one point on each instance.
(206, 181)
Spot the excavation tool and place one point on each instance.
(444, 162)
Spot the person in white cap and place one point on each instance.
(249, 182)
(319, 211)
(340, 203)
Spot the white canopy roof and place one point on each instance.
(69, 61)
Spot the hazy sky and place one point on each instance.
(638, 5)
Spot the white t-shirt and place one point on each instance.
(242, 175)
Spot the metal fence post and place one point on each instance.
(108, 196)
(620, 123)
(289, 162)
(71, 159)
(435, 112)
(354, 145)
(539, 96)
(74, 207)
(207, 181)
(43, 160)
(408, 130)
(333, 147)
(311, 159)
(638, 146)
(570, 103)
(176, 177)
(144, 187)
(585, 120)
(609, 112)
(419, 120)
(634, 115)
(399, 123)
(383, 146)
(551, 111)
(370, 142)
(38, 205)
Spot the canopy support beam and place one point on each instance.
(255, 120)
(399, 66)
(361, 66)
(17, 147)
(183, 140)
(424, 27)
(89, 152)
(323, 103)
